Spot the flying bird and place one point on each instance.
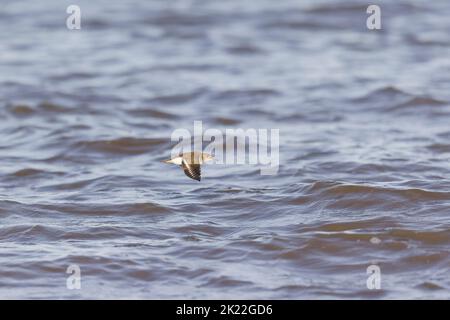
(190, 162)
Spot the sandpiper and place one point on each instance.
(190, 162)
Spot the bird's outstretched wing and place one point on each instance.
(191, 170)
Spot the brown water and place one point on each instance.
(364, 149)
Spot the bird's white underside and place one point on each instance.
(177, 160)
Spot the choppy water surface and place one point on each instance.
(364, 158)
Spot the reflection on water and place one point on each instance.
(364, 149)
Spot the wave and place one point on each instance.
(333, 189)
(245, 94)
(8, 207)
(43, 108)
(342, 196)
(421, 102)
(387, 93)
(153, 113)
(125, 145)
(392, 99)
(175, 99)
(439, 148)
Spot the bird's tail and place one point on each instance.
(167, 161)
